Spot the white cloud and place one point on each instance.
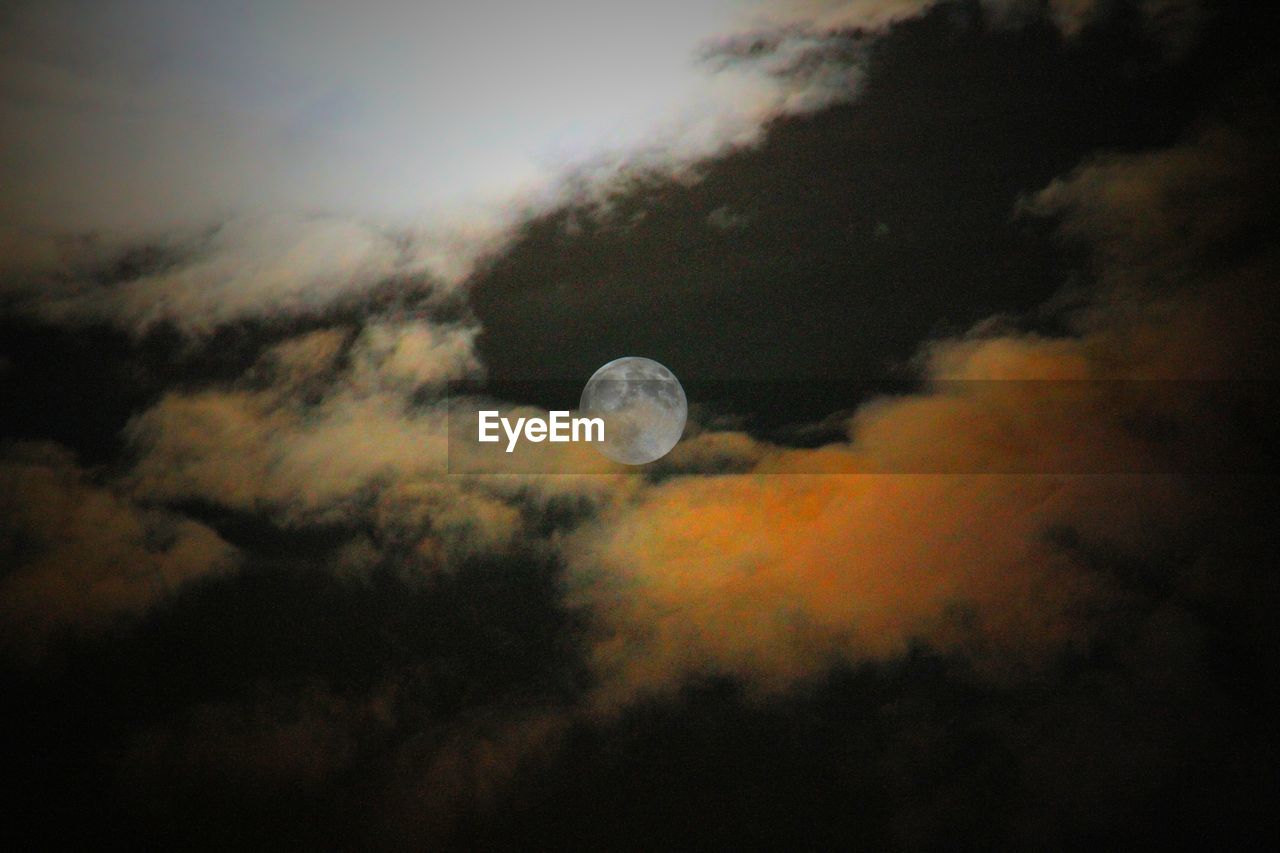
(307, 127)
(135, 115)
(248, 267)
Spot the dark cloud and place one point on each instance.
(809, 283)
(249, 607)
(79, 554)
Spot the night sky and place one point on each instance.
(971, 539)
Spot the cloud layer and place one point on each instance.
(405, 644)
(202, 168)
(772, 574)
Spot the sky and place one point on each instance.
(137, 116)
(966, 542)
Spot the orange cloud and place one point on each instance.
(942, 519)
(82, 555)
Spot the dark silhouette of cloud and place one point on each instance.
(243, 604)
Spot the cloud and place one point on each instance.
(1156, 219)
(185, 192)
(332, 428)
(812, 557)
(1173, 23)
(82, 555)
(839, 553)
(389, 114)
(246, 268)
(732, 557)
(412, 355)
(274, 742)
(277, 449)
(135, 115)
(286, 740)
(1173, 235)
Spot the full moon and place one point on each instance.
(643, 407)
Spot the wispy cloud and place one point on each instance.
(81, 554)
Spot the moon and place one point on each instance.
(643, 407)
